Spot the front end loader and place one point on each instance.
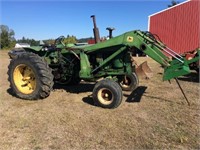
(33, 72)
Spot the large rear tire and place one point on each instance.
(107, 94)
(30, 77)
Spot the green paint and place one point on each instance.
(111, 58)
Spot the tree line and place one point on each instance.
(8, 41)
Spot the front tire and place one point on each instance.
(30, 77)
(129, 82)
(107, 94)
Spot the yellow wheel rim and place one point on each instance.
(105, 96)
(24, 79)
(126, 82)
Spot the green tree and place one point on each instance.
(32, 42)
(70, 39)
(7, 39)
(173, 3)
(49, 41)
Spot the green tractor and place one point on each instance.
(34, 70)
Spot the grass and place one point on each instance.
(155, 117)
(6, 49)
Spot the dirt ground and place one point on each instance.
(155, 116)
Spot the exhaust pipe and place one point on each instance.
(95, 30)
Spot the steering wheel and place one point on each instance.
(60, 40)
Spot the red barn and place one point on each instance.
(178, 27)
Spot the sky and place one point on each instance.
(49, 19)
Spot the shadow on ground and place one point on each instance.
(89, 100)
(80, 88)
(192, 77)
(10, 91)
(136, 95)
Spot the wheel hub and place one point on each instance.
(105, 96)
(126, 82)
(24, 79)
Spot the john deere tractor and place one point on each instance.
(34, 70)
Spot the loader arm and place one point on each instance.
(174, 66)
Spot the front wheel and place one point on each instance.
(107, 94)
(129, 82)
